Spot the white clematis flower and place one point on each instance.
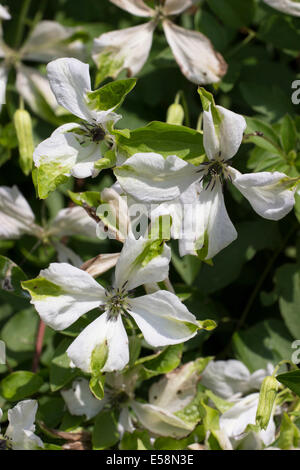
(151, 178)
(20, 431)
(231, 379)
(74, 146)
(129, 48)
(235, 421)
(4, 13)
(80, 401)
(161, 317)
(291, 7)
(47, 40)
(17, 219)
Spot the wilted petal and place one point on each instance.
(195, 54)
(162, 318)
(148, 177)
(174, 7)
(226, 142)
(35, 89)
(70, 81)
(136, 7)
(64, 148)
(2, 353)
(291, 7)
(235, 420)
(176, 389)
(80, 400)
(21, 426)
(16, 216)
(73, 221)
(100, 264)
(142, 261)
(266, 193)
(72, 293)
(216, 231)
(49, 40)
(160, 422)
(104, 328)
(123, 49)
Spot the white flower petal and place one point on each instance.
(226, 378)
(291, 7)
(4, 13)
(73, 221)
(266, 193)
(217, 228)
(195, 54)
(131, 269)
(136, 7)
(70, 81)
(102, 329)
(124, 49)
(3, 81)
(235, 420)
(2, 354)
(33, 87)
(16, 216)
(174, 7)
(66, 255)
(162, 318)
(125, 423)
(80, 294)
(148, 177)
(177, 389)
(227, 141)
(50, 39)
(161, 422)
(64, 148)
(80, 400)
(21, 426)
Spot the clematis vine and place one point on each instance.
(291, 7)
(17, 219)
(19, 434)
(152, 179)
(63, 293)
(47, 40)
(129, 48)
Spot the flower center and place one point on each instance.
(94, 131)
(117, 302)
(213, 171)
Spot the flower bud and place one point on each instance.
(22, 122)
(266, 401)
(175, 114)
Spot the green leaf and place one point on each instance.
(99, 358)
(266, 342)
(105, 432)
(235, 13)
(291, 380)
(138, 440)
(165, 139)
(188, 267)
(164, 362)
(97, 386)
(19, 385)
(11, 276)
(289, 436)
(287, 285)
(90, 198)
(60, 372)
(288, 134)
(111, 95)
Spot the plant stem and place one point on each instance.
(38, 345)
(21, 22)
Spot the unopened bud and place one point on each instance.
(175, 114)
(22, 122)
(266, 401)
